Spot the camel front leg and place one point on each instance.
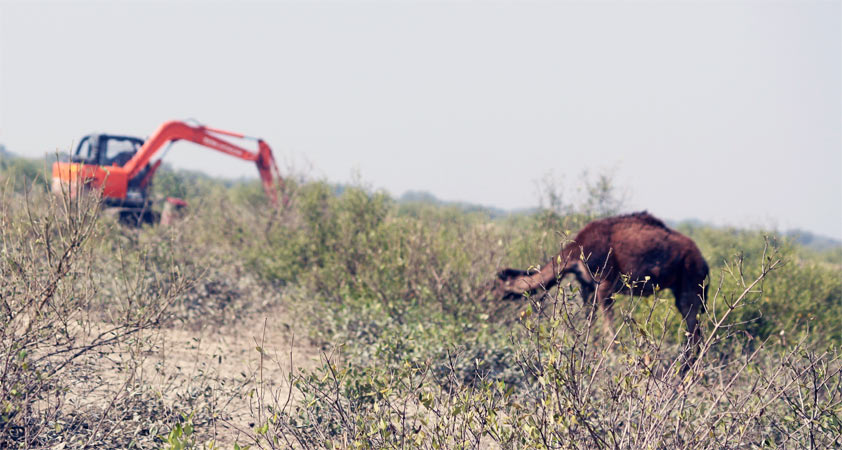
(605, 302)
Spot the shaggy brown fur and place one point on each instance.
(638, 245)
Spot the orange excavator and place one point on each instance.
(120, 166)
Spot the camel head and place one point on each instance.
(501, 287)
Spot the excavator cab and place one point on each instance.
(109, 151)
(106, 149)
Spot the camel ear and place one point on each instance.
(508, 274)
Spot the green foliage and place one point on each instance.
(392, 292)
(395, 286)
(22, 174)
(803, 298)
(804, 303)
(185, 184)
(182, 437)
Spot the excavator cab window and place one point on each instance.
(86, 151)
(106, 150)
(118, 150)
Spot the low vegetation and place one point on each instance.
(409, 355)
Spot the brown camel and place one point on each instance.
(638, 245)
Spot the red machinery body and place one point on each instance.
(125, 176)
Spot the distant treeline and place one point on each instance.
(184, 183)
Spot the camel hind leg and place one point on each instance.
(689, 301)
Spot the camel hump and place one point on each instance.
(645, 217)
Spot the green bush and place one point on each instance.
(391, 292)
(23, 174)
(395, 287)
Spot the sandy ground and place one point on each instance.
(217, 370)
(234, 360)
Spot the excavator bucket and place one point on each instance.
(269, 174)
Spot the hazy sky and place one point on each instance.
(729, 112)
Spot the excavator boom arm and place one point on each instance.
(209, 137)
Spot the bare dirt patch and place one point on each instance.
(214, 372)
